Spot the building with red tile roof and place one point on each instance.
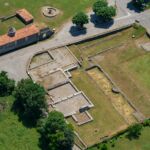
(22, 37)
(24, 15)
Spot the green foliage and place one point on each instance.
(30, 100)
(134, 131)
(146, 122)
(138, 30)
(141, 4)
(104, 147)
(6, 85)
(104, 11)
(56, 134)
(13, 134)
(98, 4)
(80, 19)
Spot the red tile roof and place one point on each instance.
(25, 15)
(20, 34)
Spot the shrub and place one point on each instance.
(30, 100)
(134, 131)
(104, 11)
(56, 134)
(6, 85)
(80, 19)
(146, 122)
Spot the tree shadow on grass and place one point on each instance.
(26, 121)
(76, 31)
(132, 137)
(99, 23)
(132, 7)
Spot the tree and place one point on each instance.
(140, 3)
(104, 147)
(134, 131)
(56, 134)
(99, 4)
(6, 85)
(30, 100)
(80, 19)
(104, 11)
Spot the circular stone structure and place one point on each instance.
(50, 11)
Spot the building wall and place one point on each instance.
(20, 43)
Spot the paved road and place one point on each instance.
(15, 63)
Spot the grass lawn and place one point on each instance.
(13, 22)
(140, 144)
(93, 47)
(129, 66)
(120, 72)
(140, 68)
(123, 143)
(106, 119)
(67, 8)
(13, 135)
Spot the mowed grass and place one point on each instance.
(93, 47)
(13, 22)
(67, 9)
(115, 65)
(142, 143)
(106, 119)
(129, 68)
(141, 68)
(13, 135)
(128, 65)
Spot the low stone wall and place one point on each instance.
(5, 18)
(140, 116)
(107, 33)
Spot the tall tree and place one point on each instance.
(6, 85)
(80, 19)
(30, 99)
(56, 134)
(99, 4)
(104, 11)
(141, 4)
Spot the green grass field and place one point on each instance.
(123, 143)
(106, 119)
(13, 135)
(67, 8)
(127, 63)
(129, 66)
(13, 22)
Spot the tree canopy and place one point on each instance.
(56, 134)
(80, 19)
(99, 4)
(104, 11)
(6, 85)
(134, 131)
(30, 99)
(141, 4)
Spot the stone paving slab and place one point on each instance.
(62, 91)
(146, 46)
